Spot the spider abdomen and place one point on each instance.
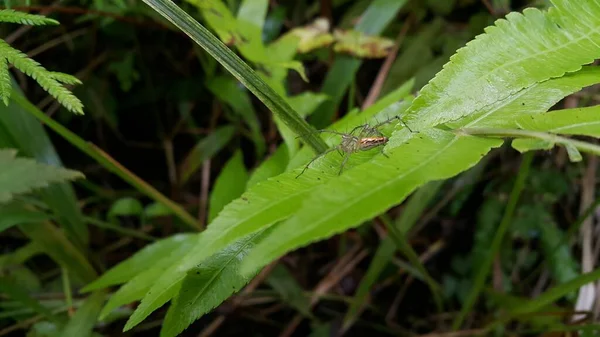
(368, 143)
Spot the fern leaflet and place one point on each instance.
(50, 81)
(11, 16)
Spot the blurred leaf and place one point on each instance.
(373, 21)
(14, 214)
(21, 130)
(125, 207)
(143, 281)
(282, 281)
(15, 292)
(125, 71)
(441, 7)
(306, 102)
(254, 12)
(557, 251)
(230, 184)
(44, 329)
(416, 52)
(21, 175)
(360, 45)
(313, 36)
(156, 210)
(383, 255)
(141, 261)
(53, 242)
(83, 322)
(549, 296)
(204, 287)
(228, 90)
(205, 149)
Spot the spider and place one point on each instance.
(368, 137)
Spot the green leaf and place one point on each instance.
(65, 78)
(125, 207)
(5, 81)
(578, 121)
(265, 204)
(227, 89)
(156, 210)
(15, 214)
(83, 322)
(230, 184)
(253, 12)
(313, 36)
(239, 69)
(282, 281)
(205, 287)
(414, 160)
(142, 283)
(11, 16)
(20, 175)
(205, 149)
(142, 260)
(271, 167)
(361, 45)
(516, 53)
(45, 78)
(54, 243)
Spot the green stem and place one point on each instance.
(413, 258)
(239, 69)
(105, 160)
(516, 133)
(483, 271)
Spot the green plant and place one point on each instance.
(515, 71)
(52, 82)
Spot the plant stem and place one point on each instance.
(484, 268)
(239, 69)
(516, 133)
(105, 160)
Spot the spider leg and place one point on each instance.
(315, 158)
(322, 131)
(363, 126)
(343, 163)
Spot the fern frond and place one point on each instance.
(12, 16)
(4, 81)
(64, 78)
(48, 80)
(21, 175)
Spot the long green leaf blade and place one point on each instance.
(239, 69)
(205, 287)
(517, 52)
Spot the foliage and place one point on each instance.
(52, 82)
(30, 174)
(438, 204)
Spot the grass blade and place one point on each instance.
(239, 69)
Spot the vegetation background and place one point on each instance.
(170, 137)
